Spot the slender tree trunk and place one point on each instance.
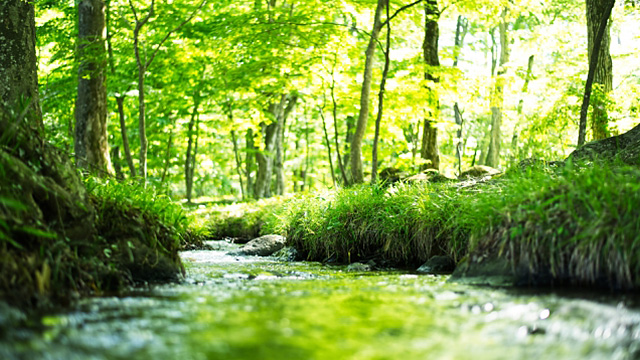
(336, 133)
(385, 71)
(280, 142)
(600, 68)
(357, 175)
(249, 160)
(91, 145)
(497, 99)
(237, 156)
(189, 156)
(328, 146)
(525, 88)
(429, 150)
(142, 69)
(348, 139)
(125, 137)
(460, 123)
(461, 31)
(167, 157)
(115, 159)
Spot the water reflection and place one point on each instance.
(249, 308)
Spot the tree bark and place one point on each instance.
(91, 145)
(497, 98)
(600, 68)
(525, 88)
(357, 175)
(167, 157)
(280, 141)
(18, 59)
(237, 156)
(385, 71)
(429, 149)
(328, 146)
(462, 26)
(189, 156)
(125, 137)
(249, 160)
(264, 157)
(52, 192)
(336, 133)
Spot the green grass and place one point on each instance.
(245, 221)
(577, 227)
(570, 225)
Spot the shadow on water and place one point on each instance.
(261, 308)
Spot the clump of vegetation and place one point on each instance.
(245, 221)
(131, 235)
(403, 225)
(576, 227)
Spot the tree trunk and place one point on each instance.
(264, 157)
(283, 114)
(459, 149)
(125, 137)
(18, 58)
(462, 27)
(142, 126)
(188, 160)
(429, 150)
(91, 145)
(497, 98)
(385, 71)
(115, 159)
(237, 156)
(167, 157)
(328, 146)
(525, 88)
(336, 133)
(600, 68)
(348, 139)
(249, 160)
(357, 175)
(52, 193)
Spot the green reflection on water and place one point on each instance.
(263, 309)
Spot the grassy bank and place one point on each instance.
(132, 235)
(245, 221)
(561, 226)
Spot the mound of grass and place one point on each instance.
(578, 227)
(403, 225)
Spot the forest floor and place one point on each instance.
(537, 225)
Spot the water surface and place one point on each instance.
(262, 308)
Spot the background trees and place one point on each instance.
(256, 97)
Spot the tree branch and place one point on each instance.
(193, 14)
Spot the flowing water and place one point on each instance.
(262, 308)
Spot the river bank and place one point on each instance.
(534, 226)
(232, 307)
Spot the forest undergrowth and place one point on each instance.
(566, 225)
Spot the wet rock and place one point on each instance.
(287, 253)
(479, 171)
(262, 246)
(430, 175)
(357, 266)
(485, 270)
(438, 265)
(390, 175)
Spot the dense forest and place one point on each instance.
(259, 98)
(360, 119)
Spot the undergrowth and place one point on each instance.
(245, 221)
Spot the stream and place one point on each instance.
(263, 308)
